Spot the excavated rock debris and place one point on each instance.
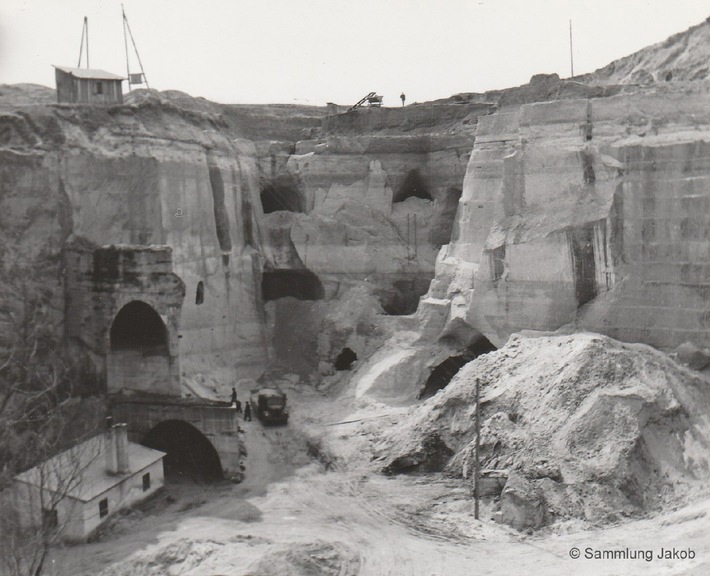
(592, 428)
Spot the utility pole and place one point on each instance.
(477, 473)
(571, 56)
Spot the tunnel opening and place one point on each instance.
(189, 454)
(345, 359)
(299, 284)
(282, 194)
(443, 373)
(412, 186)
(138, 326)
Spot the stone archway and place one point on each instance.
(139, 354)
(189, 451)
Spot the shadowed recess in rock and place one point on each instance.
(443, 225)
(402, 297)
(282, 194)
(188, 452)
(299, 284)
(221, 218)
(345, 359)
(413, 186)
(581, 242)
(137, 326)
(442, 374)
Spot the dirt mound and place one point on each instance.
(179, 557)
(23, 94)
(316, 559)
(603, 429)
(683, 56)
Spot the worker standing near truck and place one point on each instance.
(247, 412)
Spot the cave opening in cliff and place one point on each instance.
(188, 452)
(282, 194)
(299, 284)
(402, 297)
(443, 373)
(137, 326)
(413, 186)
(345, 359)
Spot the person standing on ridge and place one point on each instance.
(233, 400)
(403, 97)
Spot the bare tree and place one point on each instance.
(35, 397)
(40, 505)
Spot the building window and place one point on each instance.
(50, 518)
(200, 295)
(103, 508)
(99, 88)
(146, 482)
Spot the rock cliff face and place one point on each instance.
(588, 211)
(372, 198)
(242, 204)
(141, 174)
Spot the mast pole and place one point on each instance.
(571, 55)
(86, 24)
(125, 44)
(128, 26)
(477, 456)
(81, 46)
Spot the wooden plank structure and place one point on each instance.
(88, 86)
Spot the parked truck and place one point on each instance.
(269, 405)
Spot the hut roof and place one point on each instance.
(91, 73)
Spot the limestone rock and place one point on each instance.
(692, 356)
(522, 504)
(563, 220)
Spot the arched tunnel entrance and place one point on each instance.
(189, 453)
(138, 326)
(139, 355)
(442, 374)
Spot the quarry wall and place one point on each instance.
(377, 193)
(142, 175)
(585, 210)
(589, 211)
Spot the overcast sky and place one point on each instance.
(318, 51)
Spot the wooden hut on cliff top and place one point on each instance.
(88, 86)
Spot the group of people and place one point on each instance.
(238, 405)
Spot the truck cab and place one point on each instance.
(269, 405)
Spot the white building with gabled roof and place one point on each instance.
(80, 488)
